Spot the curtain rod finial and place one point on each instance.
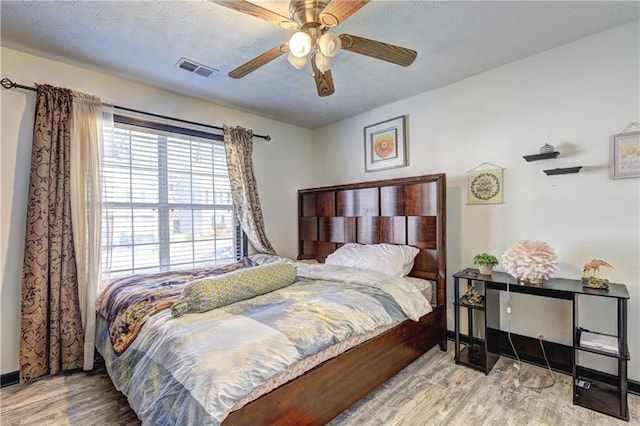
(7, 84)
(268, 138)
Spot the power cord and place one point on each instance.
(544, 353)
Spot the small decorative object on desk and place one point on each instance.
(531, 262)
(472, 297)
(546, 148)
(471, 273)
(485, 262)
(591, 274)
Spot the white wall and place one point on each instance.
(282, 166)
(573, 97)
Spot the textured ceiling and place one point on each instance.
(143, 41)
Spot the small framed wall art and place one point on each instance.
(625, 155)
(385, 145)
(485, 184)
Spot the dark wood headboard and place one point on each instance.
(408, 211)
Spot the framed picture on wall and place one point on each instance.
(385, 145)
(625, 155)
(486, 184)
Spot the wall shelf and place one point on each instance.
(562, 171)
(545, 156)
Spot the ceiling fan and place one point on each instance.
(313, 42)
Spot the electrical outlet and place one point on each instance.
(583, 384)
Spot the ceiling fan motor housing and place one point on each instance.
(305, 12)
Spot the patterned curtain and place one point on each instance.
(52, 338)
(238, 144)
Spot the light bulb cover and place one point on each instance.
(297, 62)
(329, 44)
(323, 63)
(300, 44)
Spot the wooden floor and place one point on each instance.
(432, 390)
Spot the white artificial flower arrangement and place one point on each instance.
(530, 261)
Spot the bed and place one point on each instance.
(407, 212)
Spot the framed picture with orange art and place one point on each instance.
(385, 145)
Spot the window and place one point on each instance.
(166, 200)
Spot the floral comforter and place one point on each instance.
(193, 369)
(128, 302)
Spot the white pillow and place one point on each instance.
(390, 259)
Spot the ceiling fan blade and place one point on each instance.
(337, 12)
(324, 81)
(259, 61)
(379, 50)
(258, 11)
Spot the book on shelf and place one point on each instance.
(599, 341)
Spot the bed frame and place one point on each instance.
(400, 211)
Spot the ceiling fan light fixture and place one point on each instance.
(296, 61)
(300, 44)
(329, 44)
(323, 63)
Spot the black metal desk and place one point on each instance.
(605, 394)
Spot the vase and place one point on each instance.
(485, 269)
(546, 149)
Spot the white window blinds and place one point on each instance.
(167, 202)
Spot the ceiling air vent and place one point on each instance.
(194, 67)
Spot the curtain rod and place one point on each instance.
(8, 84)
